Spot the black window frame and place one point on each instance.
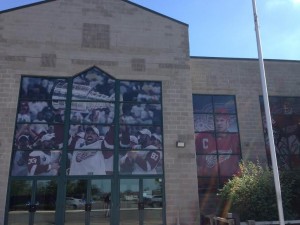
(205, 114)
(61, 177)
(285, 114)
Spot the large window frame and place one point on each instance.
(71, 107)
(285, 114)
(217, 141)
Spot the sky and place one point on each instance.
(225, 28)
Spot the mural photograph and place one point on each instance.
(91, 131)
(285, 113)
(77, 131)
(216, 138)
(93, 150)
(141, 162)
(93, 85)
(39, 133)
(138, 113)
(140, 91)
(89, 149)
(141, 114)
(92, 112)
(145, 151)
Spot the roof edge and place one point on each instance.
(246, 59)
(26, 6)
(127, 1)
(154, 12)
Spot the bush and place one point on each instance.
(252, 193)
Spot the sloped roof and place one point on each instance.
(26, 6)
(131, 3)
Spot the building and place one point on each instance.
(102, 105)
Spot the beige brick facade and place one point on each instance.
(65, 37)
(241, 78)
(59, 38)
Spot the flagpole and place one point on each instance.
(268, 118)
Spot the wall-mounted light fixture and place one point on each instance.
(180, 144)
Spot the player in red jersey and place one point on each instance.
(217, 149)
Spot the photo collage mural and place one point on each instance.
(90, 124)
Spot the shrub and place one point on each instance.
(252, 193)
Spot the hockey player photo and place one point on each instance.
(143, 161)
(216, 150)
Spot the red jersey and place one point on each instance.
(216, 154)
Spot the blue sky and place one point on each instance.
(222, 28)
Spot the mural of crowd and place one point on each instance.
(39, 144)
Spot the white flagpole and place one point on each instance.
(268, 118)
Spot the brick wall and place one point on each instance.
(65, 37)
(241, 77)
